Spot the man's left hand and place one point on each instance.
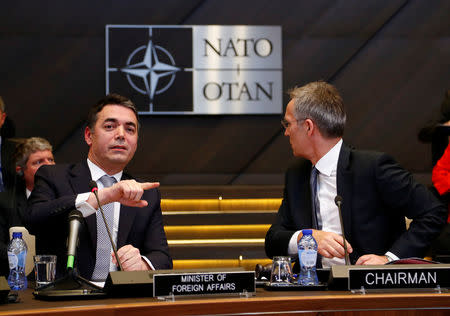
(131, 259)
(372, 259)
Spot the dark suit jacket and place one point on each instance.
(13, 206)
(8, 149)
(377, 194)
(52, 199)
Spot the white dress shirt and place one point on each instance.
(327, 191)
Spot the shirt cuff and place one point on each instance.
(148, 262)
(85, 208)
(391, 256)
(293, 247)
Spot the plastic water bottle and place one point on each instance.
(17, 254)
(307, 255)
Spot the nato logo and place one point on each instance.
(197, 69)
(152, 66)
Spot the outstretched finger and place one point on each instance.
(149, 185)
(140, 203)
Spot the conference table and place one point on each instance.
(262, 303)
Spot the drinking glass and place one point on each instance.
(281, 271)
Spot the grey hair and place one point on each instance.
(28, 147)
(322, 103)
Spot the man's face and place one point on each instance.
(296, 131)
(113, 140)
(36, 159)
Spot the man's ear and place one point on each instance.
(88, 136)
(309, 125)
(19, 171)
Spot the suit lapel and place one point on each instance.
(21, 207)
(80, 177)
(344, 188)
(127, 215)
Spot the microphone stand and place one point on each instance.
(338, 201)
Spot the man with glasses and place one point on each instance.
(376, 192)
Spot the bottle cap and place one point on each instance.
(17, 235)
(307, 232)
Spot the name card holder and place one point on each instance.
(168, 286)
(411, 277)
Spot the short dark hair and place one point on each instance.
(322, 103)
(110, 99)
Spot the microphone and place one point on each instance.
(338, 200)
(75, 220)
(94, 189)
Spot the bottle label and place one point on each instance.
(13, 260)
(308, 258)
(22, 259)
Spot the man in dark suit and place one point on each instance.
(132, 208)
(30, 155)
(376, 192)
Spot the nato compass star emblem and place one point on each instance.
(150, 70)
(152, 65)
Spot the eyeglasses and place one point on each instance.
(285, 123)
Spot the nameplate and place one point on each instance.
(203, 283)
(403, 277)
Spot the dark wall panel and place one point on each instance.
(390, 59)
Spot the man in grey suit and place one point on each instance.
(377, 193)
(132, 208)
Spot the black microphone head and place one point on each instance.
(75, 214)
(338, 200)
(92, 185)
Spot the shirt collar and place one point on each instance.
(97, 172)
(328, 163)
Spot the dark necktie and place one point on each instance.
(103, 254)
(317, 220)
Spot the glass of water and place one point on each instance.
(281, 271)
(44, 269)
